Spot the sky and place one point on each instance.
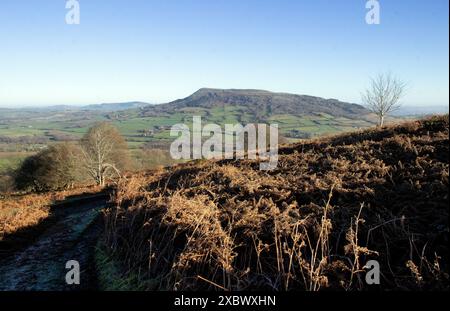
(158, 51)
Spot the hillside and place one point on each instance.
(260, 104)
(313, 223)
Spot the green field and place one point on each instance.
(144, 131)
(11, 160)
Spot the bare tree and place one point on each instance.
(383, 95)
(105, 153)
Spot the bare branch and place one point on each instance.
(104, 153)
(383, 96)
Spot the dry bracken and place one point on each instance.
(331, 205)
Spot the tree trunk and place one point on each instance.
(381, 121)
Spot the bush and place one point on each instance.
(54, 168)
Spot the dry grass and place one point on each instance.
(23, 211)
(312, 224)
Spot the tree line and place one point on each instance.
(101, 155)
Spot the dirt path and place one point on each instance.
(41, 266)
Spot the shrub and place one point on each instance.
(54, 168)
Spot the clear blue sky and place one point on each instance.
(158, 51)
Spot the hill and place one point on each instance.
(298, 116)
(67, 112)
(261, 105)
(108, 107)
(331, 205)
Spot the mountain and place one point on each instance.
(260, 104)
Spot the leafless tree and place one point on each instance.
(105, 153)
(383, 96)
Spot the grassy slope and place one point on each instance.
(330, 206)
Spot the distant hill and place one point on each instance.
(260, 104)
(115, 106)
(105, 107)
(421, 110)
(66, 113)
